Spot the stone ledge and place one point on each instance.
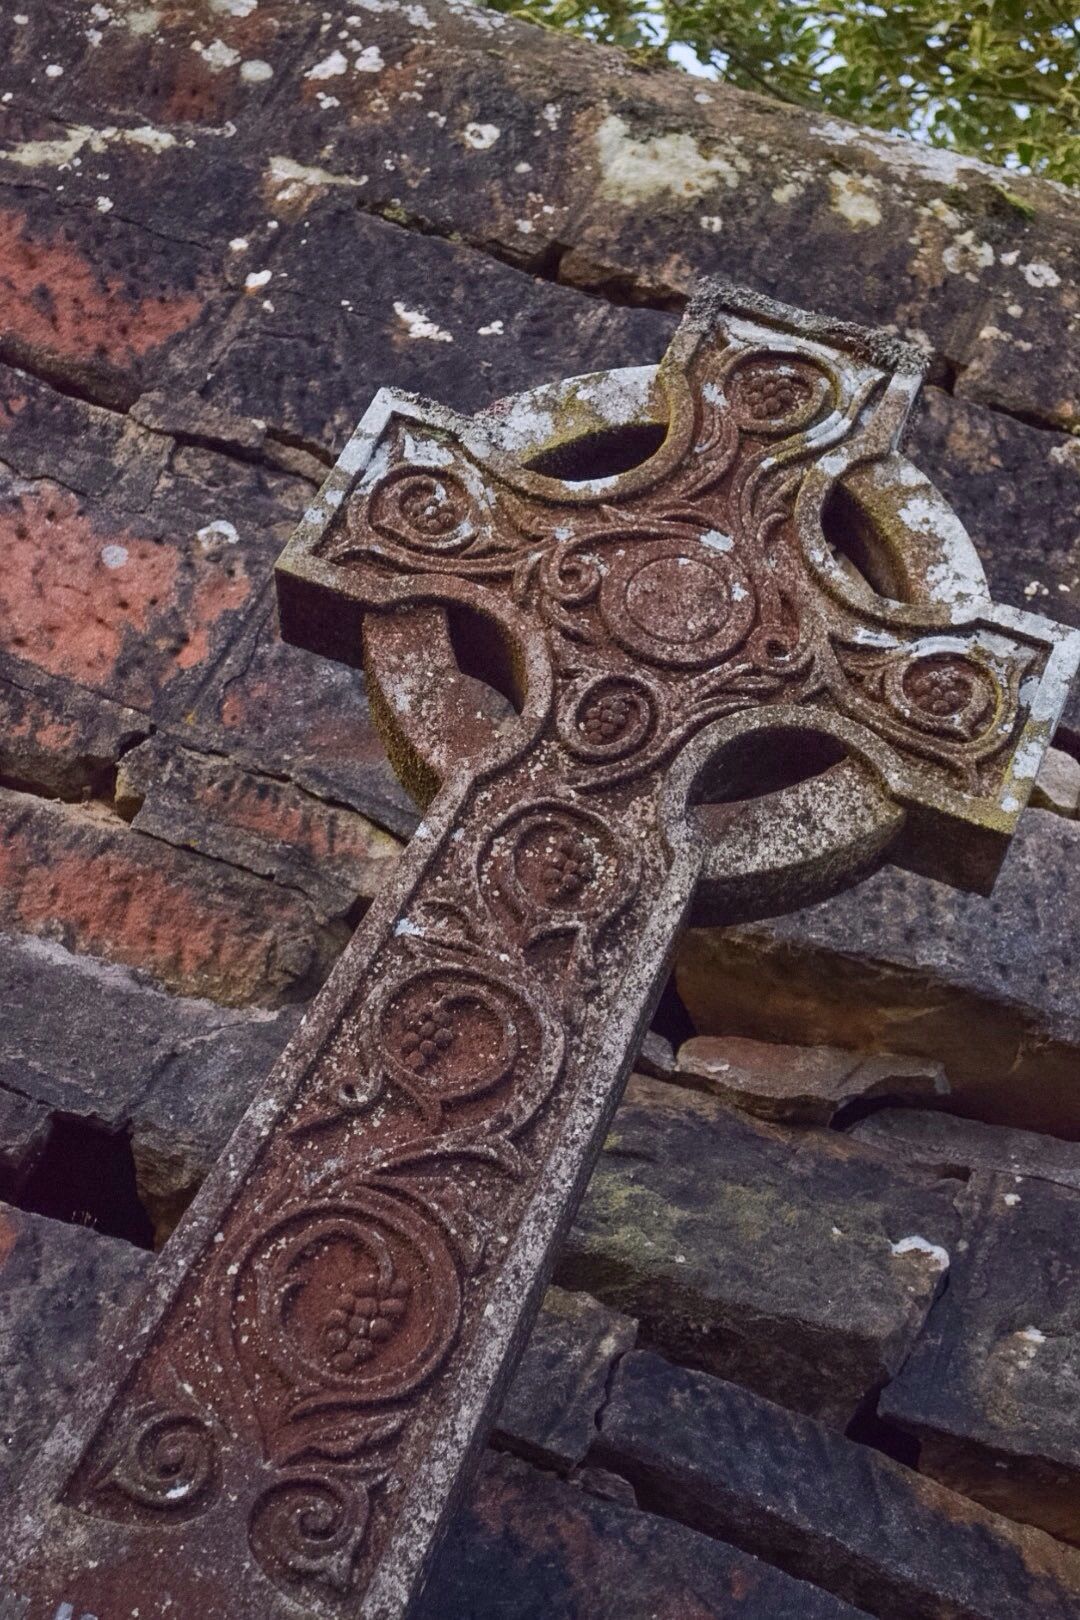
(826, 1509)
(992, 1389)
(988, 987)
(779, 1258)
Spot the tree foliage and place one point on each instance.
(998, 80)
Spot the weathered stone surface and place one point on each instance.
(205, 802)
(529, 1547)
(87, 881)
(549, 152)
(355, 303)
(1057, 786)
(826, 1509)
(802, 1084)
(24, 1131)
(789, 1261)
(93, 1043)
(904, 964)
(550, 1410)
(278, 709)
(59, 1284)
(952, 1146)
(992, 1389)
(56, 737)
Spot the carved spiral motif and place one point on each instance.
(609, 717)
(424, 508)
(450, 1034)
(309, 1529)
(168, 1461)
(943, 692)
(550, 864)
(355, 1299)
(773, 394)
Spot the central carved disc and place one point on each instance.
(674, 602)
(678, 599)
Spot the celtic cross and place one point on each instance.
(688, 640)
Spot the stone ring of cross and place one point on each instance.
(687, 640)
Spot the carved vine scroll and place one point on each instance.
(643, 642)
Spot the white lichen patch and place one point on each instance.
(331, 67)
(712, 223)
(291, 182)
(256, 71)
(369, 60)
(114, 556)
(217, 55)
(1040, 274)
(492, 329)
(933, 1253)
(481, 137)
(636, 171)
(854, 199)
(234, 8)
(65, 149)
(967, 255)
(219, 532)
(419, 325)
(786, 193)
(256, 279)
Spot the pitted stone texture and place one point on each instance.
(992, 1389)
(904, 964)
(550, 1411)
(199, 927)
(93, 1043)
(953, 1147)
(205, 802)
(59, 1284)
(382, 306)
(529, 1547)
(130, 562)
(791, 1262)
(826, 1509)
(805, 1085)
(737, 180)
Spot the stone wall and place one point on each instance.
(815, 1349)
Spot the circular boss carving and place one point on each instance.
(677, 602)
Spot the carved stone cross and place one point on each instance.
(742, 652)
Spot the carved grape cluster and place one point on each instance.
(607, 716)
(363, 1320)
(428, 1033)
(567, 867)
(939, 689)
(769, 394)
(430, 505)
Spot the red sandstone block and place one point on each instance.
(88, 880)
